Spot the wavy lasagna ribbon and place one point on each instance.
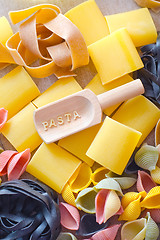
(49, 37)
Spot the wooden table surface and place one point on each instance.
(84, 74)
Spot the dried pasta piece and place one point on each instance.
(5, 156)
(81, 178)
(98, 175)
(152, 230)
(151, 201)
(146, 157)
(125, 182)
(66, 236)
(86, 200)
(68, 195)
(131, 196)
(144, 182)
(155, 214)
(110, 184)
(88, 225)
(157, 133)
(3, 117)
(109, 233)
(17, 164)
(153, 4)
(134, 230)
(42, 36)
(107, 204)
(70, 217)
(155, 174)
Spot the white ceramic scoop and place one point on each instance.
(79, 111)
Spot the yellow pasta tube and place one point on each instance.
(20, 130)
(113, 64)
(96, 86)
(139, 24)
(113, 145)
(138, 113)
(17, 90)
(90, 21)
(53, 165)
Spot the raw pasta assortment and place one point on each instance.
(103, 174)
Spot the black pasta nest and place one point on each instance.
(27, 212)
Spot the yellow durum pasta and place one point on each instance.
(140, 114)
(17, 89)
(115, 56)
(139, 24)
(53, 165)
(90, 21)
(20, 130)
(61, 88)
(113, 145)
(79, 143)
(5, 30)
(96, 86)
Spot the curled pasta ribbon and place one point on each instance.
(153, 4)
(70, 217)
(51, 38)
(152, 229)
(3, 117)
(98, 175)
(89, 220)
(146, 157)
(68, 195)
(134, 230)
(107, 204)
(151, 201)
(14, 164)
(66, 235)
(109, 233)
(131, 203)
(144, 182)
(110, 184)
(81, 179)
(86, 200)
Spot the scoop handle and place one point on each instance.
(120, 94)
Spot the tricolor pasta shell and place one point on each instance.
(109, 233)
(134, 230)
(81, 179)
(86, 200)
(98, 175)
(110, 184)
(107, 204)
(152, 230)
(3, 117)
(147, 157)
(66, 236)
(70, 217)
(155, 214)
(68, 195)
(144, 182)
(152, 200)
(130, 197)
(155, 174)
(125, 182)
(88, 225)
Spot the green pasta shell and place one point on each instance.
(110, 184)
(86, 200)
(152, 230)
(125, 182)
(66, 236)
(147, 157)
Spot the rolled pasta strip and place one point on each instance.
(146, 157)
(134, 230)
(155, 174)
(70, 217)
(110, 184)
(98, 175)
(86, 200)
(107, 204)
(109, 233)
(153, 4)
(66, 236)
(3, 117)
(42, 36)
(89, 226)
(144, 182)
(68, 195)
(152, 230)
(151, 201)
(81, 179)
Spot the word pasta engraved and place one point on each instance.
(60, 120)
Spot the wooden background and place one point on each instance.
(84, 74)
